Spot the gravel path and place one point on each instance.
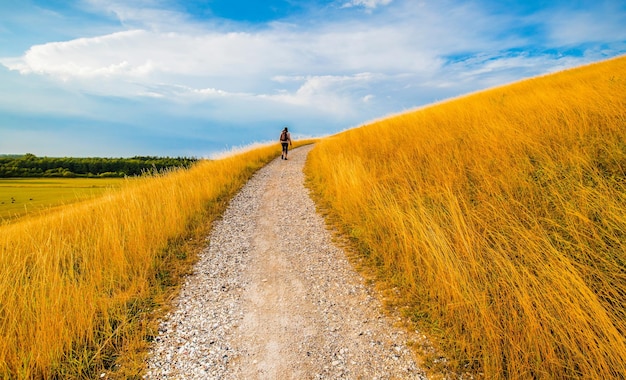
(273, 298)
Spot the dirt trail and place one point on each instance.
(273, 298)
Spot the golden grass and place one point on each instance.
(78, 286)
(502, 218)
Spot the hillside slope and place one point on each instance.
(500, 217)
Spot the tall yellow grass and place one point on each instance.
(502, 218)
(76, 284)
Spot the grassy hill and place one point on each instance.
(500, 218)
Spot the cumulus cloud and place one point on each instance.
(236, 62)
(86, 57)
(246, 61)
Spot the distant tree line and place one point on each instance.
(29, 165)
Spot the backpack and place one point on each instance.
(283, 136)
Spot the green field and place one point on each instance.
(22, 196)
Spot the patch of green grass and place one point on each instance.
(23, 196)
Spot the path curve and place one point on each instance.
(273, 298)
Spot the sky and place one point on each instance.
(120, 78)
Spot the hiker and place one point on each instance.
(285, 141)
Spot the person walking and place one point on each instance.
(285, 141)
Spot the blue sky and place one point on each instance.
(118, 78)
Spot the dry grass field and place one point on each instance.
(501, 218)
(79, 285)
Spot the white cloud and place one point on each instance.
(370, 4)
(349, 46)
(145, 62)
(86, 57)
(328, 93)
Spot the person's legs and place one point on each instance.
(284, 153)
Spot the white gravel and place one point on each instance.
(273, 298)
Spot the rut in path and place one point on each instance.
(273, 298)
